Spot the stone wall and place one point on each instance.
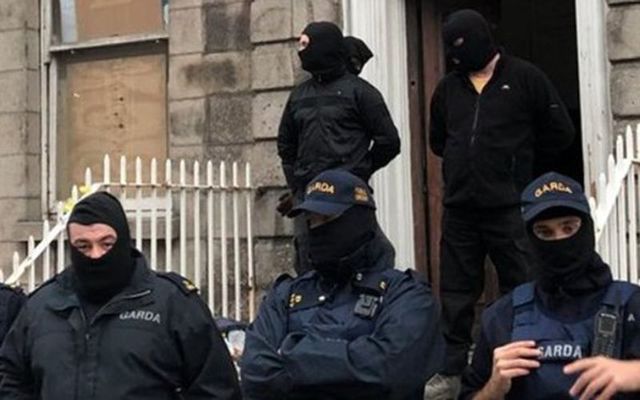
(19, 119)
(231, 66)
(624, 54)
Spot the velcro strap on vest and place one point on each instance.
(523, 301)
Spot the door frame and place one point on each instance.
(423, 33)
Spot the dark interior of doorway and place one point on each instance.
(543, 32)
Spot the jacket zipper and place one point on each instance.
(87, 335)
(476, 116)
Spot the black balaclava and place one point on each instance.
(333, 246)
(325, 55)
(98, 280)
(477, 47)
(570, 266)
(358, 53)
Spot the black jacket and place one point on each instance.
(155, 340)
(489, 141)
(11, 301)
(331, 124)
(310, 341)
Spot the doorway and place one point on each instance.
(540, 31)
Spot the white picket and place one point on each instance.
(196, 223)
(153, 237)
(210, 242)
(183, 218)
(223, 241)
(250, 270)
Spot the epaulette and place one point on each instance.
(281, 278)
(185, 285)
(373, 283)
(43, 284)
(14, 289)
(419, 277)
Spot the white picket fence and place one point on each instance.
(211, 244)
(616, 207)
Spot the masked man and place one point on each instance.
(110, 328)
(572, 313)
(332, 120)
(351, 328)
(490, 118)
(358, 54)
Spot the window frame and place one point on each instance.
(50, 55)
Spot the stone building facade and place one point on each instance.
(624, 55)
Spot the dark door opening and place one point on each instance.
(540, 31)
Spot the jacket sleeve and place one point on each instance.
(262, 368)
(555, 130)
(496, 327)
(288, 144)
(437, 122)
(477, 374)
(208, 372)
(398, 357)
(16, 381)
(377, 121)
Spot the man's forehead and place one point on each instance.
(91, 230)
(558, 220)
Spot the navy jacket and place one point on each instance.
(308, 341)
(343, 123)
(489, 141)
(497, 327)
(155, 340)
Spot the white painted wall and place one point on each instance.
(595, 105)
(382, 25)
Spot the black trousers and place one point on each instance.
(467, 238)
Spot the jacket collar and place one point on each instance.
(141, 283)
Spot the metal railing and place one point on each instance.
(201, 222)
(615, 207)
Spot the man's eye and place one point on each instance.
(543, 234)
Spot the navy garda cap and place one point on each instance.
(333, 192)
(552, 190)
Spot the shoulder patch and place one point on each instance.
(184, 284)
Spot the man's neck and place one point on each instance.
(487, 71)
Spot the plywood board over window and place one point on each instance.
(111, 106)
(106, 18)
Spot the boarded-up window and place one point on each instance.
(82, 20)
(109, 105)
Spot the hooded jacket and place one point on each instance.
(154, 340)
(489, 141)
(376, 336)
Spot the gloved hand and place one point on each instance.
(285, 204)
